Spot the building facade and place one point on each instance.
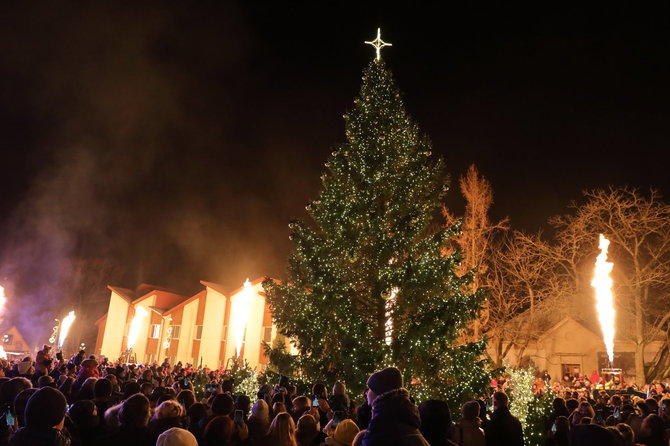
(207, 329)
(571, 347)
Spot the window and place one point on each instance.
(176, 331)
(198, 332)
(8, 339)
(155, 331)
(267, 334)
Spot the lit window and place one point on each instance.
(198, 332)
(155, 331)
(8, 339)
(267, 334)
(176, 331)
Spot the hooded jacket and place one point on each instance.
(31, 436)
(395, 421)
(503, 429)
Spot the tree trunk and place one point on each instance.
(640, 376)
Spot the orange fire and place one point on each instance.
(135, 325)
(65, 328)
(602, 282)
(241, 309)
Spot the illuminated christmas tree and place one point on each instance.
(370, 281)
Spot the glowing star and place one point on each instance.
(65, 328)
(240, 312)
(602, 282)
(388, 307)
(135, 325)
(378, 43)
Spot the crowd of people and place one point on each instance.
(82, 401)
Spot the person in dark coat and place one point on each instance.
(45, 418)
(133, 417)
(591, 435)
(395, 419)
(503, 429)
(364, 413)
(436, 425)
(86, 422)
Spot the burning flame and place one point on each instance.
(602, 282)
(240, 312)
(135, 325)
(65, 328)
(388, 307)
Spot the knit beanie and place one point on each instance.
(385, 380)
(222, 404)
(176, 437)
(346, 431)
(45, 408)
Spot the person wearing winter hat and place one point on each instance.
(395, 419)
(176, 437)
(45, 418)
(344, 435)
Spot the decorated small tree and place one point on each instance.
(530, 407)
(370, 282)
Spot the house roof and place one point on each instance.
(187, 301)
(167, 301)
(564, 321)
(215, 286)
(99, 321)
(255, 282)
(164, 299)
(125, 293)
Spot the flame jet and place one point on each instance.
(602, 282)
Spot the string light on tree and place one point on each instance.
(369, 281)
(378, 43)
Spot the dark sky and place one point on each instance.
(177, 139)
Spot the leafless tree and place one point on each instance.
(638, 227)
(478, 233)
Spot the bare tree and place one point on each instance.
(638, 227)
(477, 234)
(520, 282)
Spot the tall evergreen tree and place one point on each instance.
(370, 282)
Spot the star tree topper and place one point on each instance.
(378, 43)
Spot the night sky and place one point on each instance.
(176, 140)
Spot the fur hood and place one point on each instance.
(395, 393)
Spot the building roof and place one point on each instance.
(185, 302)
(215, 286)
(128, 295)
(167, 301)
(564, 321)
(164, 299)
(253, 283)
(102, 318)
